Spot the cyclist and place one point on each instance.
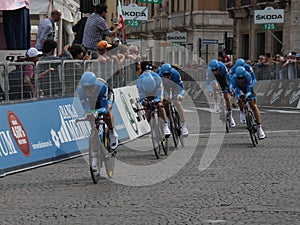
(249, 69)
(149, 85)
(221, 74)
(172, 80)
(241, 82)
(95, 94)
(212, 88)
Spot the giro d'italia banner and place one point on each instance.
(37, 132)
(41, 132)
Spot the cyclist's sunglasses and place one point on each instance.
(167, 74)
(240, 78)
(214, 70)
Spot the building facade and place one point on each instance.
(205, 24)
(252, 39)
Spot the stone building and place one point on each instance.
(252, 39)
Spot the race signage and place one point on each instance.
(177, 37)
(268, 15)
(134, 12)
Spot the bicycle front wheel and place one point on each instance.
(94, 155)
(155, 137)
(173, 128)
(250, 127)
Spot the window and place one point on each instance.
(261, 48)
(245, 46)
(277, 43)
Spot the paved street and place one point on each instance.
(196, 184)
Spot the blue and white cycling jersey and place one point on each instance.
(249, 69)
(175, 83)
(243, 87)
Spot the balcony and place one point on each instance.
(230, 4)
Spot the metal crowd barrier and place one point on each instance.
(277, 71)
(59, 78)
(64, 78)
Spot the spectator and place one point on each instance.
(226, 59)
(46, 28)
(290, 63)
(32, 55)
(51, 84)
(96, 29)
(73, 71)
(117, 42)
(134, 53)
(102, 47)
(78, 29)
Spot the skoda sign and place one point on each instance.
(268, 15)
(134, 12)
(177, 36)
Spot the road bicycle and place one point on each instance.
(99, 146)
(174, 123)
(158, 139)
(251, 122)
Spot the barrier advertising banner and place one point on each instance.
(126, 99)
(36, 132)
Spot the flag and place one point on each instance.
(121, 19)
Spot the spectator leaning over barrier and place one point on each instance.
(73, 71)
(46, 29)
(290, 63)
(51, 84)
(102, 47)
(96, 29)
(32, 55)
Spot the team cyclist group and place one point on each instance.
(157, 87)
(239, 81)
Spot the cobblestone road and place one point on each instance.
(243, 185)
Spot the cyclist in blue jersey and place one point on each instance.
(248, 68)
(95, 94)
(212, 88)
(221, 74)
(241, 82)
(172, 80)
(149, 85)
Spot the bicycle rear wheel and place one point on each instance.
(250, 127)
(178, 127)
(94, 151)
(173, 128)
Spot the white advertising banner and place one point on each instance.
(177, 37)
(134, 12)
(268, 15)
(127, 98)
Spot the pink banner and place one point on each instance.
(14, 4)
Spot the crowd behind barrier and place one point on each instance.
(63, 77)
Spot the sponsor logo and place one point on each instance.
(135, 14)
(19, 133)
(294, 96)
(129, 114)
(6, 144)
(269, 17)
(70, 130)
